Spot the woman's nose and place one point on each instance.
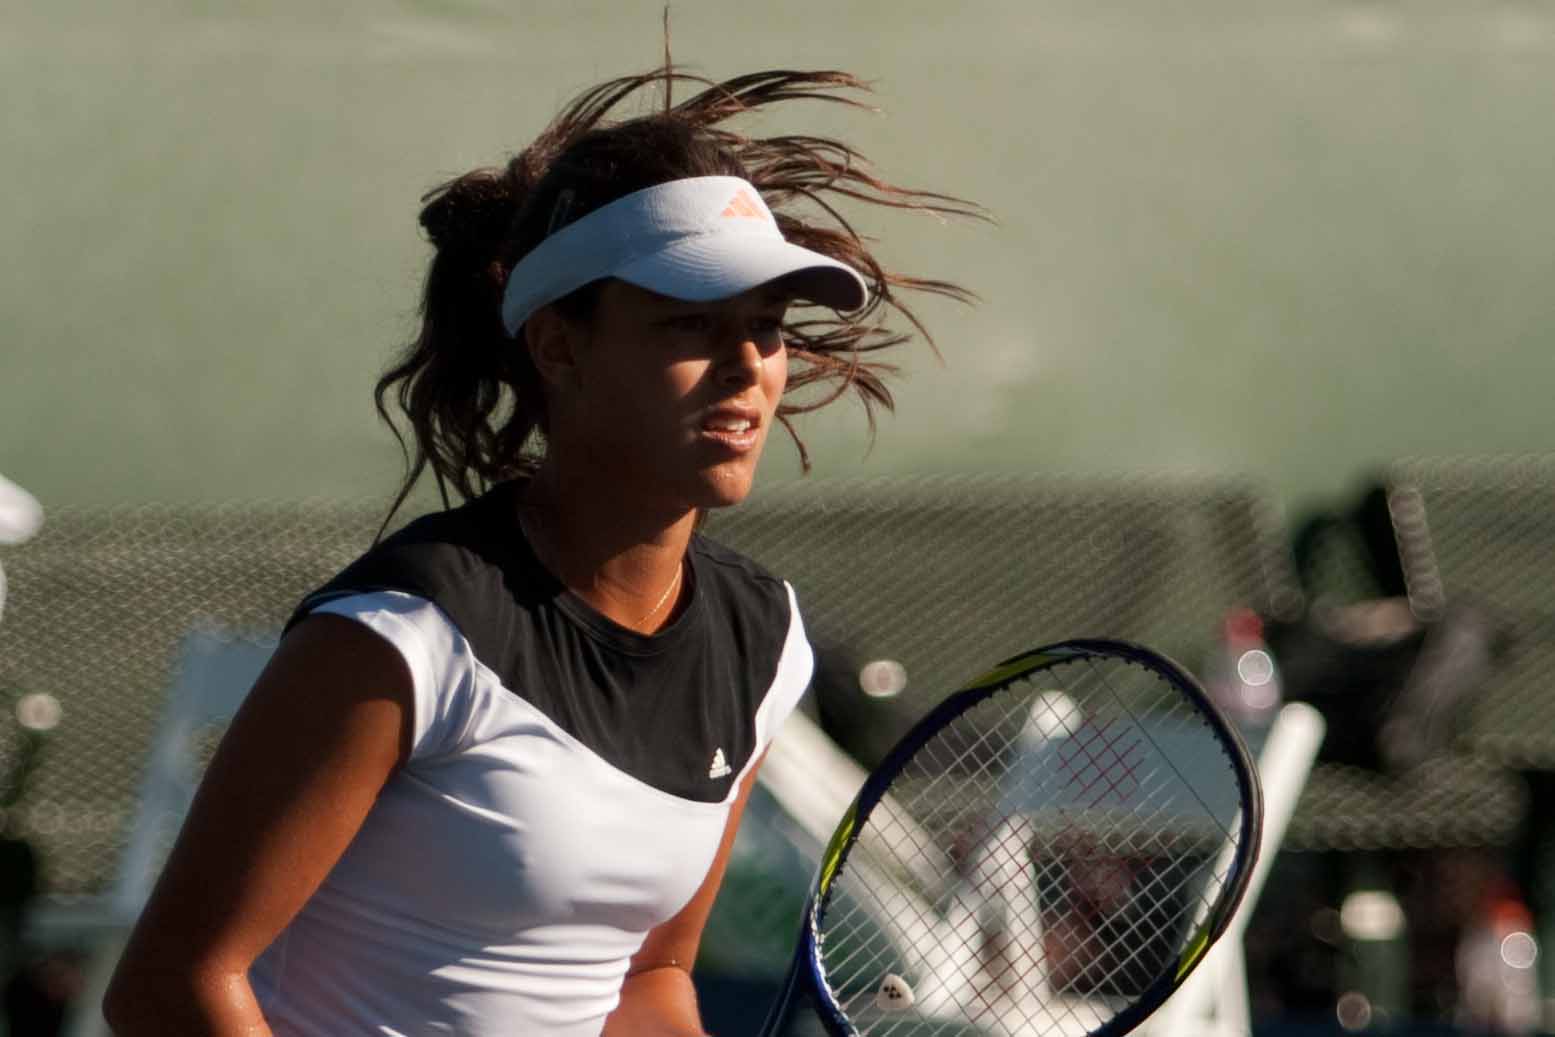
(742, 363)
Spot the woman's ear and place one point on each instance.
(552, 341)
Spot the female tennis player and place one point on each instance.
(490, 780)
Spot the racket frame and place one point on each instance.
(806, 969)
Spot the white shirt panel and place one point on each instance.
(506, 875)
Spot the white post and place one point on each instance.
(1214, 999)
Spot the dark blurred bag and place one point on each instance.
(1394, 690)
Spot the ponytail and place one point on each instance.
(461, 372)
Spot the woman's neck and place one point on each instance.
(626, 563)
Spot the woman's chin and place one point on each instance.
(725, 485)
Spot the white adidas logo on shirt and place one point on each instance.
(720, 767)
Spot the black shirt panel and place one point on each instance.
(675, 709)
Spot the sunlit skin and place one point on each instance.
(656, 408)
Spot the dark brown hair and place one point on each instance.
(471, 396)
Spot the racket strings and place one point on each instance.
(947, 810)
(1105, 963)
(1105, 960)
(1188, 717)
(1119, 941)
(1078, 856)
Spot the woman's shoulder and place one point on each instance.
(457, 555)
(728, 565)
(739, 584)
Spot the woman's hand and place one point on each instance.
(657, 1002)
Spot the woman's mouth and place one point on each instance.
(739, 434)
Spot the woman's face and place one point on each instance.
(674, 400)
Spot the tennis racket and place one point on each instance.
(1050, 851)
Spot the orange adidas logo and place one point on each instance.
(743, 206)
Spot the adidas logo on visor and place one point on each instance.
(720, 767)
(743, 207)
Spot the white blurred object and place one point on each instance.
(1372, 914)
(1498, 989)
(20, 513)
(20, 517)
(1213, 1002)
(882, 678)
(38, 711)
(1053, 715)
(1375, 969)
(1242, 679)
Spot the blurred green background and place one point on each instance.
(1289, 240)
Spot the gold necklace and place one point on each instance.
(679, 569)
(529, 533)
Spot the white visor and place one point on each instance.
(704, 238)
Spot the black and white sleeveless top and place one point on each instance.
(567, 788)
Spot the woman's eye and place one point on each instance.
(689, 322)
(764, 328)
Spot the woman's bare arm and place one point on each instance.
(326, 724)
(658, 999)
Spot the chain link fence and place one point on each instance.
(941, 576)
(1481, 532)
(99, 604)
